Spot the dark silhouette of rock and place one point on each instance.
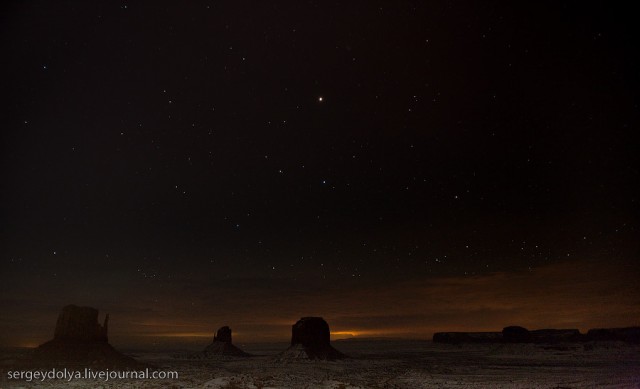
(516, 334)
(221, 346)
(556, 336)
(80, 324)
(223, 335)
(467, 337)
(311, 332)
(79, 340)
(626, 334)
(311, 339)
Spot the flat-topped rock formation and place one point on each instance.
(79, 340)
(80, 324)
(223, 335)
(627, 334)
(467, 337)
(222, 345)
(517, 334)
(556, 336)
(311, 339)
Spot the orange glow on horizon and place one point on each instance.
(29, 345)
(559, 295)
(344, 334)
(181, 335)
(378, 333)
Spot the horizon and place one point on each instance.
(196, 343)
(570, 312)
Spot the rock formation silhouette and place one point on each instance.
(517, 334)
(311, 339)
(222, 345)
(556, 336)
(627, 334)
(79, 340)
(223, 335)
(467, 337)
(80, 324)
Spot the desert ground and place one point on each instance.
(386, 364)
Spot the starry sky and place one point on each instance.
(398, 168)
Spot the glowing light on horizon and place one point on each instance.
(181, 335)
(29, 345)
(342, 334)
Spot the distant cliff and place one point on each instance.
(517, 334)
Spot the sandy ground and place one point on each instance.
(391, 364)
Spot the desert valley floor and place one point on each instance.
(389, 364)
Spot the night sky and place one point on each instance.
(398, 168)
